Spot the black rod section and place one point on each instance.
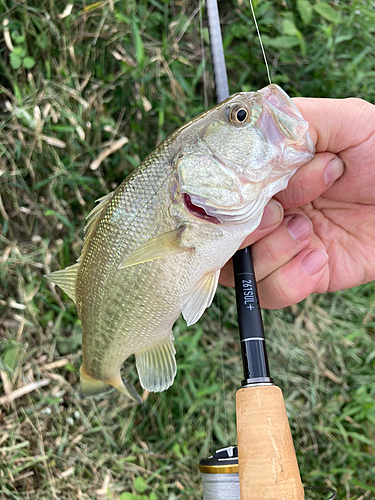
(253, 344)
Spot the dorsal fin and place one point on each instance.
(95, 213)
(92, 220)
(66, 279)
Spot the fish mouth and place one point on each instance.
(214, 214)
(283, 123)
(197, 211)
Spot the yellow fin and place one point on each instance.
(96, 211)
(65, 279)
(161, 246)
(198, 298)
(92, 220)
(91, 386)
(157, 365)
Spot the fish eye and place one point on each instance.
(239, 115)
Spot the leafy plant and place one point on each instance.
(18, 56)
(140, 486)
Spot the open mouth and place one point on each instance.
(198, 212)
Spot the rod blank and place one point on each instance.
(217, 51)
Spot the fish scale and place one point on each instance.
(155, 246)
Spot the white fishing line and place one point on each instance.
(221, 486)
(260, 41)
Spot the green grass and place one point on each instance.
(73, 86)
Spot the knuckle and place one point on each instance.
(274, 293)
(298, 192)
(360, 108)
(288, 289)
(295, 194)
(357, 102)
(268, 253)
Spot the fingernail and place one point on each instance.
(273, 213)
(314, 261)
(334, 170)
(299, 227)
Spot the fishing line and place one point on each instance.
(221, 487)
(260, 41)
(220, 478)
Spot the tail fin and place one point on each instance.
(91, 386)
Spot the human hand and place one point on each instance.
(326, 239)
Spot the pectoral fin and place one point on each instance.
(196, 300)
(157, 365)
(161, 246)
(65, 279)
(91, 386)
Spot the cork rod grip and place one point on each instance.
(268, 468)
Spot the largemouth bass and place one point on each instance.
(154, 247)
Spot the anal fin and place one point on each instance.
(197, 299)
(91, 386)
(157, 365)
(65, 279)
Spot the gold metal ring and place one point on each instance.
(219, 469)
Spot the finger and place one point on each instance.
(282, 245)
(337, 124)
(306, 273)
(311, 180)
(345, 127)
(272, 217)
(277, 248)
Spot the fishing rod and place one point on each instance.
(263, 465)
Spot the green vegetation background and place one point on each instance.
(75, 81)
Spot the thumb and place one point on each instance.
(337, 124)
(311, 180)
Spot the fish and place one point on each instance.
(154, 247)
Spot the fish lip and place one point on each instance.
(276, 100)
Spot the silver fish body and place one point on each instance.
(155, 246)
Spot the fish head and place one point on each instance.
(245, 151)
